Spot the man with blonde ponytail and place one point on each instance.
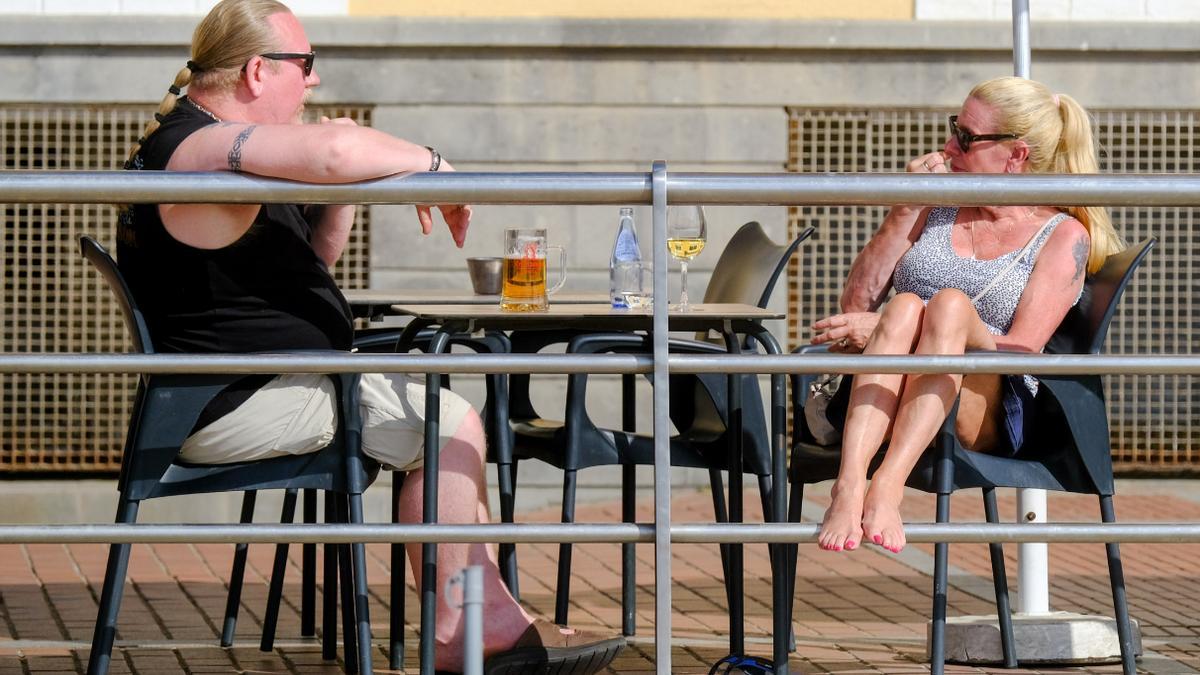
(246, 277)
(970, 278)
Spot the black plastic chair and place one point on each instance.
(165, 410)
(379, 341)
(368, 340)
(499, 440)
(1070, 453)
(746, 273)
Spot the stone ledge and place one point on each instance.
(1054, 638)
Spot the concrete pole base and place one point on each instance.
(1052, 638)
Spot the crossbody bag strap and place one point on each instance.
(1017, 258)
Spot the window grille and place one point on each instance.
(1151, 416)
(54, 302)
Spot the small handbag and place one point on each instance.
(816, 407)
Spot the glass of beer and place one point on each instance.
(524, 288)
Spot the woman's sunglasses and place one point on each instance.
(308, 57)
(966, 138)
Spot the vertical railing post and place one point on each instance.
(1033, 573)
(662, 428)
(1022, 54)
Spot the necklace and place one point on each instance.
(202, 109)
(971, 230)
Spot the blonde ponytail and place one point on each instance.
(182, 79)
(1059, 135)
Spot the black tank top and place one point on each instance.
(267, 291)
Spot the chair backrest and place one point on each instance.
(1085, 327)
(167, 407)
(750, 266)
(135, 322)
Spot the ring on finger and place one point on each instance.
(843, 342)
(925, 163)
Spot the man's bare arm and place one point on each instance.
(337, 152)
(870, 276)
(313, 153)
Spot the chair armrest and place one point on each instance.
(387, 341)
(1080, 400)
(170, 404)
(594, 343)
(168, 407)
(380, 340)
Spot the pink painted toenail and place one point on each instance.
(877, 539)
(850, 546)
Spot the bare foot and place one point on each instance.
(881, 521)
(842, 526)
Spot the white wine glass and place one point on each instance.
(686, 234)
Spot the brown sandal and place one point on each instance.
(543, 648)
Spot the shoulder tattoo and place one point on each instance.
(1080, 250)
(235, 153)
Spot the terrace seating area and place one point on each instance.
(862, 612)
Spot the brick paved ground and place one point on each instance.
(862, 612)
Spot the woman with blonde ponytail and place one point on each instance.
(255, 278)
(969, 278)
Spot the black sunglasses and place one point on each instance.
(308, 57)
(966, 138)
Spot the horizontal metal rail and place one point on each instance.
(550, 533)
(990, 362)
(341, 363)
(119, 187)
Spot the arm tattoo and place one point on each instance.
(1080, 251)
(235, 153)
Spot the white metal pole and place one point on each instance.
(1021, 52)
(1033, 565)
(471, 581)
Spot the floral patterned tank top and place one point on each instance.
(932, 265)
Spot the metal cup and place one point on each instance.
(485, 275)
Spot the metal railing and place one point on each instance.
(652, 188)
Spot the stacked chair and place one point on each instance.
(746, 273)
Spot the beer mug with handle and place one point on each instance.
(524, 288)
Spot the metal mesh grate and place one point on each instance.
(54, 302)
(1151, 416)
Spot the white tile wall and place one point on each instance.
(1173, 10)
(1061, 10)
(157, 6)
(81, 6)
(1039, 10)
(300, 7)
(21, 7)
(1108, 10)
(319, 7)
